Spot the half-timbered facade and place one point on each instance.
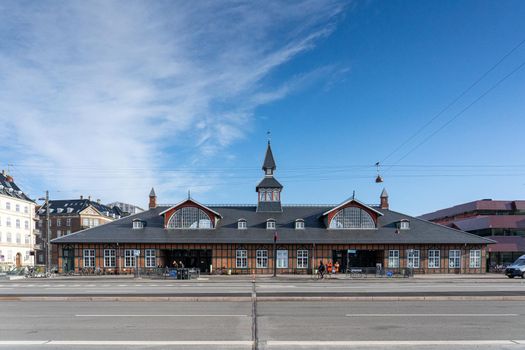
(256, 238)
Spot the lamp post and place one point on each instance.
(48, 234)
(275, 254)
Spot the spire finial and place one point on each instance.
(268, 135)
(189, 194)
(353, 195)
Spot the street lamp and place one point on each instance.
(48, 234)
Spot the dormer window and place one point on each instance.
(270, 224)
(69, 210)
(138, 224)
(241, 224)
(352, 218)
(403, 225)
(59, 210)
(190, 218)
(299, 224)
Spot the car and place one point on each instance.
(517, 268)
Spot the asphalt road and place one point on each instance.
(280, 325)
(268, 287)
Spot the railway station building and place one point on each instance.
(247, 239)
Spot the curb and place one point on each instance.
(263, 298)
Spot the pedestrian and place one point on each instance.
(336, 267)
(175, 265)
(329, 266)
(321, 269)
(181, 264)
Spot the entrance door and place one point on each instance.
(18, 260)
(68, 260)
(190, 258)
(361, 258)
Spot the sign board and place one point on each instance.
(136, 252)
(352, 251)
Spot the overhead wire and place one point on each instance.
(451, 103)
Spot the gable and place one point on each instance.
(168, 213)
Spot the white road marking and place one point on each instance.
(386, 343)
(162, 315)
(432, 315)
(127, 342)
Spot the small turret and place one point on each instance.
(152, 199)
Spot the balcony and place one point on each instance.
(37, 246)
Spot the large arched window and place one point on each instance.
(190, 218)
(352, 217)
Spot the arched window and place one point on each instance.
(352, 217)
(190, 218)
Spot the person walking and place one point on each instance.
(321, 270)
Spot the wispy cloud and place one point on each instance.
(95, 96)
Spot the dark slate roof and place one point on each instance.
(269, 207)
(9, 188)
(269, 162)
(76, 205)
(420, 232)
(268, 182)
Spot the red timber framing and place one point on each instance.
(224, 256)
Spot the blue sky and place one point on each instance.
(110, 98)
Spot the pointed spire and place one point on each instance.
(152, 199)
(269, 162)
(384, 199)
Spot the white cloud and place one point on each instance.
(99, 91)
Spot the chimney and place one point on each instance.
(89, 198)
(98, 201)
(384, 199)
(152, 199)
(81, 197)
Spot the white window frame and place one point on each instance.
(110, 258)
(393, 258)
(475, 258)
(137, 224)
(261, 259)
(59, 222)
(130, 260)
(413, 258)
(270, 224)
(302, 258)
(242, 225)
(454, 259)
(241, 258)
(299, 224)
(17, 223)
(434, 258)
(68, 222)
(88, 258)
(151, 257)
(282, 259)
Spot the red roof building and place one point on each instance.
(500, 220)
